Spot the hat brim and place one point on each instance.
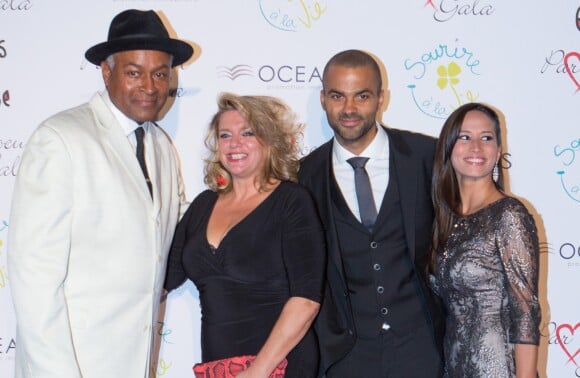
(180, 50)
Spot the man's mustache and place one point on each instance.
(349, 116)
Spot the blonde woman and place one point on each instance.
(253, 244)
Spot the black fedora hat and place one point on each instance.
(139, 30)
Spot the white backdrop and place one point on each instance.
(521, 57)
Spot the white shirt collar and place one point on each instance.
(377, 149)
(127, 124)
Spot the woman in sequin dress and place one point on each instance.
(485, 254)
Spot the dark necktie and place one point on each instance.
(139, 135)
(364, 194)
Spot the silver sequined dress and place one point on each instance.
(487, 277)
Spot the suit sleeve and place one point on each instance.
(183, 203)
(38, 253)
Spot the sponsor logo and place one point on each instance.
(11, 148)
(567, 337)
(565, 332)
(564, 63)
(554, 62)
(7, 346)
(443, 78)
(571, 60)
(5, 98)
(445, 10)
(163, 332)
(162, 368)
(15, 5)
(505, 161)
(566, 252)
(292, 15)
(235, 72)
(4, 94)
(183, 92)
(569, 180)
(283, 76)
(163, 365)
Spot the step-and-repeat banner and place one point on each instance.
(521, 57)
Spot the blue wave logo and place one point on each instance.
(235, 72)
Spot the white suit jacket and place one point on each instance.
(87, 246)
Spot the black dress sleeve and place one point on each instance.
(175, 275)
(304, 247)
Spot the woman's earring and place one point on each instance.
(495, 172)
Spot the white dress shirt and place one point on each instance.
(377, 168)
(128, 125)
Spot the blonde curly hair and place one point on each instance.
(275, 126)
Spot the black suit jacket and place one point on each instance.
(413, 156)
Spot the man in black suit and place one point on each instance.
(378, 317)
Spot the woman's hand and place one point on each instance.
(249, 373)
(526, 361)
(292, 324)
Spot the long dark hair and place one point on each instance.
(445, 188)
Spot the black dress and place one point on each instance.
(274, 253)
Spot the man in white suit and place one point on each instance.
(89, 233)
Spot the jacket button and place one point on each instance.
(374, 244)
(380, 289)
(384, 311)
(377, 266)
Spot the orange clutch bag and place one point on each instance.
(229, 367)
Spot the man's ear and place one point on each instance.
(322, 99)
(106, 72)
